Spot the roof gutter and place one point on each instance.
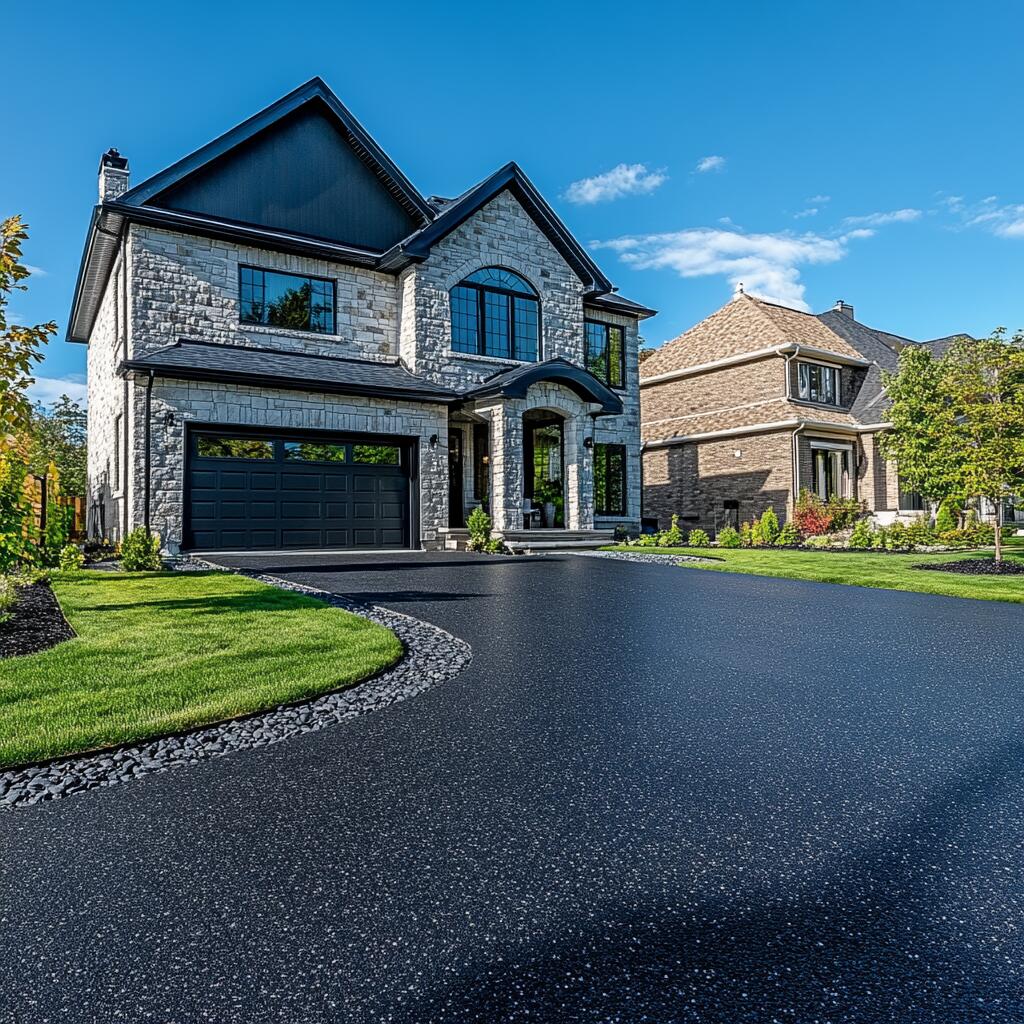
(763, 428)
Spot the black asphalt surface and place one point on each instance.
(658, 794)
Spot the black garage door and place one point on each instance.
(249, 490)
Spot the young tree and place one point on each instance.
(19, 346)
(57, 435)
(958, 422)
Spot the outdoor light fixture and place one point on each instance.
(738, 453)
(588, 442)
(169, 421)
(433, 440)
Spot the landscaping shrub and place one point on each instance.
(789, 536)
(673, 536)
(729, 537)
(880, 538)
(479, 525)
(140, 551)
(896, 537)
(746, 535)
(810, 515)
(861, 537)
(646, 540)
(17, 526)
(947, 519)
(71, 558)
(765, 530)
(699, 539)
(8, 594)
(843, 512)
(919, 533)
(819, 540)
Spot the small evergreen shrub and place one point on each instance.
(140, 551)
(919, 533)
(479, 525)
(673, 536)
(843, 512)
(860, 539)
(819, 540)
(896, 539)
(946, 518)
(729, 537)
(699, 539)
(71, 558)
(746, 535)
(789, 536)
(880, 539)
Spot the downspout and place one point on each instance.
(795, 442)
(146, 464)
(122, 300)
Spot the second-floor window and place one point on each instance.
(286, 300)
(818, 383)
(606, 352)
(496, 313)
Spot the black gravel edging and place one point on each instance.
(36, 623)
(432, 656)
(976, 567)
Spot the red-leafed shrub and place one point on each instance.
(811, 516)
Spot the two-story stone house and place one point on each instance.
(292, 347)
(758, 402)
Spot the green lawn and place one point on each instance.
(158, 653)
(890, 572)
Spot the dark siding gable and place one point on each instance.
(301, 175)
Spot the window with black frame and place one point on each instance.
(606, 352)
(609, 479)
(286, 300)
(818, 383)
(496, 313)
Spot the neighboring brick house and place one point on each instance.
(291, 347)
(759, 401)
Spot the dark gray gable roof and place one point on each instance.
(940, 346)
(417, 246)
(615, 303)
(289, 371)
(324, 102)
(515, 382)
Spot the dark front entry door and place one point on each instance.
(255, 490)
(456, 503)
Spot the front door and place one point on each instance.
(456, 503)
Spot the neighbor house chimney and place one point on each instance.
(113, 176)
(843, 307)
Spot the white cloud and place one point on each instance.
(811, 211)
(818, 200)
(710, 163)
(891, 217)
(49, 389)
(621, 180)
(767, 265)
(1004, 221)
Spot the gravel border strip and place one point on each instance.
(432, 656)
(36, 623)
(649, 557)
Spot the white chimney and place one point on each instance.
(843, 307)
(113, 176)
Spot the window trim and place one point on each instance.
(606, 379)
(333, 282)
(481, 317)
(604, 449)
(832, 368)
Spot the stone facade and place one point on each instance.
(180, 286)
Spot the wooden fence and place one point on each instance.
(37, 487)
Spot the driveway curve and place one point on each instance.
(657, 794)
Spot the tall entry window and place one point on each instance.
(496, 313)
(610, 479)
(286, 300)
(830, 472)
(606, 353)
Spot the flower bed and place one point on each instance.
(34, 623)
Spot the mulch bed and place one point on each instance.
(36, 623)
(977, 567)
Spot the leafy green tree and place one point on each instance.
(19, 345)
(958, 422)
(57, 435)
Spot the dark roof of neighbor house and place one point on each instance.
(745, 325)
(324, 188)
(515, 382)
(289, 371)
(940, 346)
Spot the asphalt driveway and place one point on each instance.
(657, 794)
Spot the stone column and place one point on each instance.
(506, 418)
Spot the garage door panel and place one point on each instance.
(292, 504)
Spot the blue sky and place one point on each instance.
(865, 151)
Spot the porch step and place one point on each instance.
(526, 547)
(525, 541)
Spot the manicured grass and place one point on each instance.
(890, 572)
(158, 653)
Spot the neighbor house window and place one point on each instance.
(610, 479)
(496, 313)
(830, 472)
(817, 383)
(606, 352)
(481, 461)
(213, 447)
(910, 501)
(286, 300)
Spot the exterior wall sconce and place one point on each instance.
(433, 440)
(588, 442)
(738, 453)
(169, 421)
(486, 460)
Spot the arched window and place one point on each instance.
(496, 313)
